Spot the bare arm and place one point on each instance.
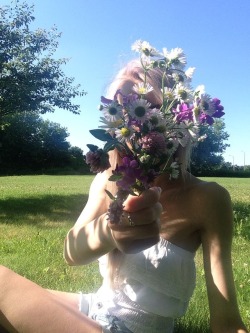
(216, 241)
(93, 235)
(90, 237)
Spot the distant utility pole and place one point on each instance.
(233, 162)
(244, 160)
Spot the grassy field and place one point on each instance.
(37, 211)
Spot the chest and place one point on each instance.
(180, 220)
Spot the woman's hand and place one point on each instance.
(140, 225)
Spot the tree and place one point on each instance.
(207, 154)
(20, 141)
(30, 144)
(54, 147)
(30, 78)
(77, 160)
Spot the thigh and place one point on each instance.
(79, 301)
(27, 307)
(69, 298)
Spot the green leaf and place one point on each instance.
(112, 144)
(101, 134)
(136, 194)
(114, 178)
(92, 148)
(110, 195)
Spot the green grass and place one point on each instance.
(35, 214)
(37, 211)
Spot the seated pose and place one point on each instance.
(145, 218)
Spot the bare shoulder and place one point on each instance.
(213, 204)
(211, 193)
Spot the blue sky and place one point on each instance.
(97, 37)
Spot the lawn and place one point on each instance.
(37, 211)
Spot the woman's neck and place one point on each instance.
(165, 181)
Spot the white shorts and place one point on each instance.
(90, 305)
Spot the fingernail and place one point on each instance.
(157, 189)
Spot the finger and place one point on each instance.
(142, 217)
(145, 199)
(127, 220)
(124, 232)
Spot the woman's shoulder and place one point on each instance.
(212, 202)
(209, 190)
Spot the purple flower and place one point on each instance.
(218, 107)
(209, 119)
(154, 143)
(206, 119)
(115, 210)
(126, 99)
(183, 112)
(98, 160)
(105, 100)
(129, 174)
(151, 175)
(128, 162)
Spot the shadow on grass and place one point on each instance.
(36, 210)
(182, 326)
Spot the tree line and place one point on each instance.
(30, 144)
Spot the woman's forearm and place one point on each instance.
(87, 243)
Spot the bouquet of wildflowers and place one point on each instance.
(146, 136)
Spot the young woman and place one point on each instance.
(146, 258)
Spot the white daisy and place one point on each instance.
(142, 88)
(175, 57)
(140, 110)
(112, 111)
(123, 134)
(110, 126)
(178, 77)
(200, 90)
(182, 92)
(206, 105)
(184, 76)
(168, 94)
(189, 72)
(157, 120)
(144, 48)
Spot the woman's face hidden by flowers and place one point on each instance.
(145, 132)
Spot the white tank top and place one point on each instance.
(159, 280)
